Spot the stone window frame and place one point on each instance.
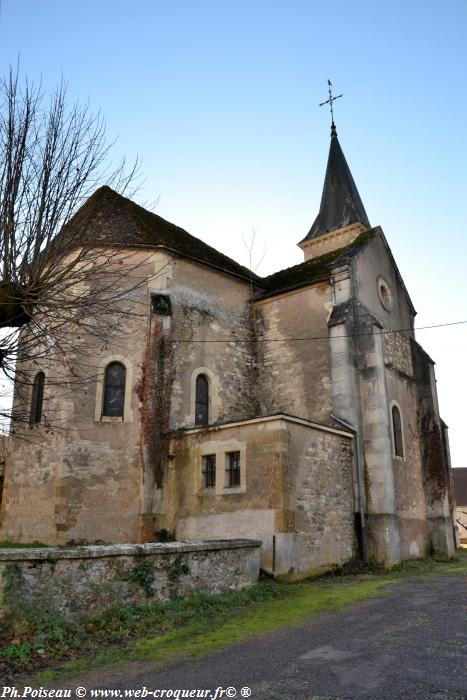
(385, 294)
(214, 401)
(202, 394)
(127, 410)
(205, 471)
(114, 378)
(393, 442)
(220, 448)
(233, 465)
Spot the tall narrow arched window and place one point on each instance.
(37, 398)
(114, 390)
(202, 400)
(397, 432)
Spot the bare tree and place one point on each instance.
(55, 284)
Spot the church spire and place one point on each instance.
(340, 202)
(341, 206)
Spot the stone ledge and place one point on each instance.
(216, 427)
(121, 550)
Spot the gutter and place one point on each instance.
(363, 532)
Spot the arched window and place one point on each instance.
(114, 390)
(397, 432)
(37, 399)
(202, 400)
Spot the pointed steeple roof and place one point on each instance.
(340, 202)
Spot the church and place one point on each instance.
(296, 409)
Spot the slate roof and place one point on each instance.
(109, 218)
(315, 269)
(340, 202)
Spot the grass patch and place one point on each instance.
(425, 568)
(33, 635)
(434, 566)
(194, 627)
(192, 632)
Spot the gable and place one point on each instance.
(376, 275)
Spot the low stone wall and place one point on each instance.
(79, 580)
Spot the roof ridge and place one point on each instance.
(150, 229)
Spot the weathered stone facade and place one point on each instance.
(397, 353)
(91, 579)
(316, 392)
(287, 363)
(295, 493)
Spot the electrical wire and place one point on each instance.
(321, 337)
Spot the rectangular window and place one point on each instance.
(209, 471)
(233, 469)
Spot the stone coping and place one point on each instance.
(121, 550)
(261, 419)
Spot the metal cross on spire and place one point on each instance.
(330, 101)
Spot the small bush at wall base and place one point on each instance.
(143, 575)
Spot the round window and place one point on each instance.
(385, 294)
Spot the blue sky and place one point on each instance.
(220, 100)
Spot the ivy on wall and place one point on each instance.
(154, 390)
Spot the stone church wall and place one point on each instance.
(408, 472)
(371, 264)
(296, 492)
(397, 353)
(81, 476)
(434, 455)
(63, 469)
(322, 534)
(247, 511)
(398, 502)
(212, 319)
(420, 503)
(296, 373)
